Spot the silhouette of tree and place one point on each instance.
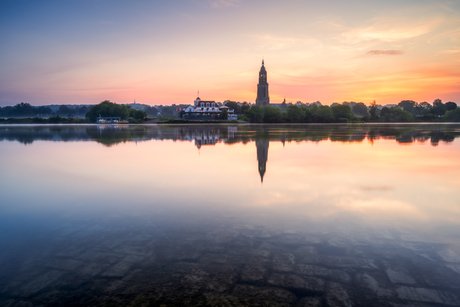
(373, 110)
(450, 106)
(360, 109)
(438, 108)
(108, 109)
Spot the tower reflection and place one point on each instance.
(262, 157)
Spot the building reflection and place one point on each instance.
(262, 157)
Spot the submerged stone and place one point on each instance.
(283, 262)
(314, 270)
(265, 296)
(337, 296)
(297, 284)
(428, 295)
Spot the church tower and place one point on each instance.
(262, 88)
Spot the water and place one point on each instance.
(243, 215)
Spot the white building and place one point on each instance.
(207, 110)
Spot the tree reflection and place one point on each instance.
(200, 135)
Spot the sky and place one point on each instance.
(165, 51)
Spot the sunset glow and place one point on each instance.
(163, 52)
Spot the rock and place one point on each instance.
(223, 278)
(265, 296)
(314, 270)
(254, 273)
(222, 259)
(449, 256)
(399, 276)
(41, 282)
(309, 302)
(337, 296)
(283, 262)
(427, 296)
(348, 262)
(303, 286)
(371, 283)
(92, 269)
(119, 269)
(454, 267)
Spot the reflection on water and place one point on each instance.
(348, 215)
(262, 157)
(210, 135)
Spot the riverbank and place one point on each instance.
(63, 120)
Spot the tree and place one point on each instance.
(438, 108)
(450, 106)
(342, 113)
(234, 105)
(360, 109)
(136, 114)
(43, 110)
(395, 114)
(452, 115)
(23, 109)
(7, 111)
(82, 110)
(407, 105)
(351, 104)
(255, 114)
(422, 108)
(65, 110)
(373, 110)
(322, 114)
(245, 106)
(294, 114)
(224, 114)
(307, 116)
(108, 109)
(151, 111)
(272, 114)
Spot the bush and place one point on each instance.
(452, 115)
(55, 119)
(342, 120)
(39, 120)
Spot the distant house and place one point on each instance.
(206, 110)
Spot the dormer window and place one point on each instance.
(207, 105)
(202, 105)
(213, 104)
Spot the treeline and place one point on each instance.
(343, 113)
(25, 113)
(26, 110)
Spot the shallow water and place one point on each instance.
(243, 215)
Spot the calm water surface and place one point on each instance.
(244, 215)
